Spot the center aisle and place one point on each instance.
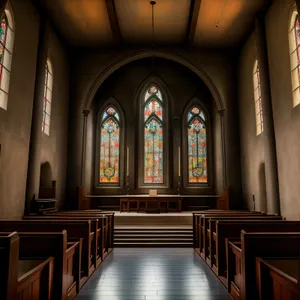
(153, 274)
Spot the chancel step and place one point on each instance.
(153, 237)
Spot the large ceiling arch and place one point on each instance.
(149, 53)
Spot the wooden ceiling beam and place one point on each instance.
(193, 19)
(114, 24)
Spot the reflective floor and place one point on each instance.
(153, 274)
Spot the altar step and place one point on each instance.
(153, 237)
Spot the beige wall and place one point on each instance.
(286, 118)
(16, 121)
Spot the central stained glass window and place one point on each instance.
(110, 146)
(153, 136)
(197, 151)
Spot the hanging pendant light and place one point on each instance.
(153, 38)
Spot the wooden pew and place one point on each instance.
(35, 246)
(108, 235)
(257, 244)
(78, 249)
(204, 231)
(23, 279)
(278, 279)
(198, 214)
(35, 279)
(232, 229)
(98, 225)
(95, 213)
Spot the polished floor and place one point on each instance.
(153, 274)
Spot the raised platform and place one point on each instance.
(138, 220)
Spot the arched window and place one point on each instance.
(257, 99)
(109, 146)
(153, 136)
(197, 145)
(6, 50)
(47, 98)
(294, 41)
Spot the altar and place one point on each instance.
(151, 204)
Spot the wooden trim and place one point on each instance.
(193, 19)
(114, 23)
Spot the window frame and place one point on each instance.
(112, 187)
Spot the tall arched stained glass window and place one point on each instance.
(153, 136)
(197, 146)
(110, 146)
(294, 41)
(47, 101)
(257, 99)
(6, 50)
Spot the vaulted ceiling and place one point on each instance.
(105, 23)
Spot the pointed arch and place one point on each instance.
(110, 145)
(294, 47)
(7, 35)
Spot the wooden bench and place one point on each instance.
(35, 246)
(91, 256)
(223, 229)
(204, 231)
(198, 214)
(23, 279)
(278, 279)
(109, 225)
(78, 247)
(257, 244)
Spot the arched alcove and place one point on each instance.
(179, 86)
(47, 185)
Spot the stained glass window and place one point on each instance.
(258, 100)
(47, 100)
(197, 146)
(294, 40)
(153, 136)
(6, 50)
(110, 146)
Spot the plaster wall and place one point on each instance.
(252, 145)
(54, 147)
(15, 122)
(286, 117)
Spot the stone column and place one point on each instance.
(221, 113)
(272, 186)
(83, 152)
(33, 172)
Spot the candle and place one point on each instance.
(179, 161)
(127, 165)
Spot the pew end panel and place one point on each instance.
(263, 244)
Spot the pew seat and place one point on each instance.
(278, 279)
(35, 279)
